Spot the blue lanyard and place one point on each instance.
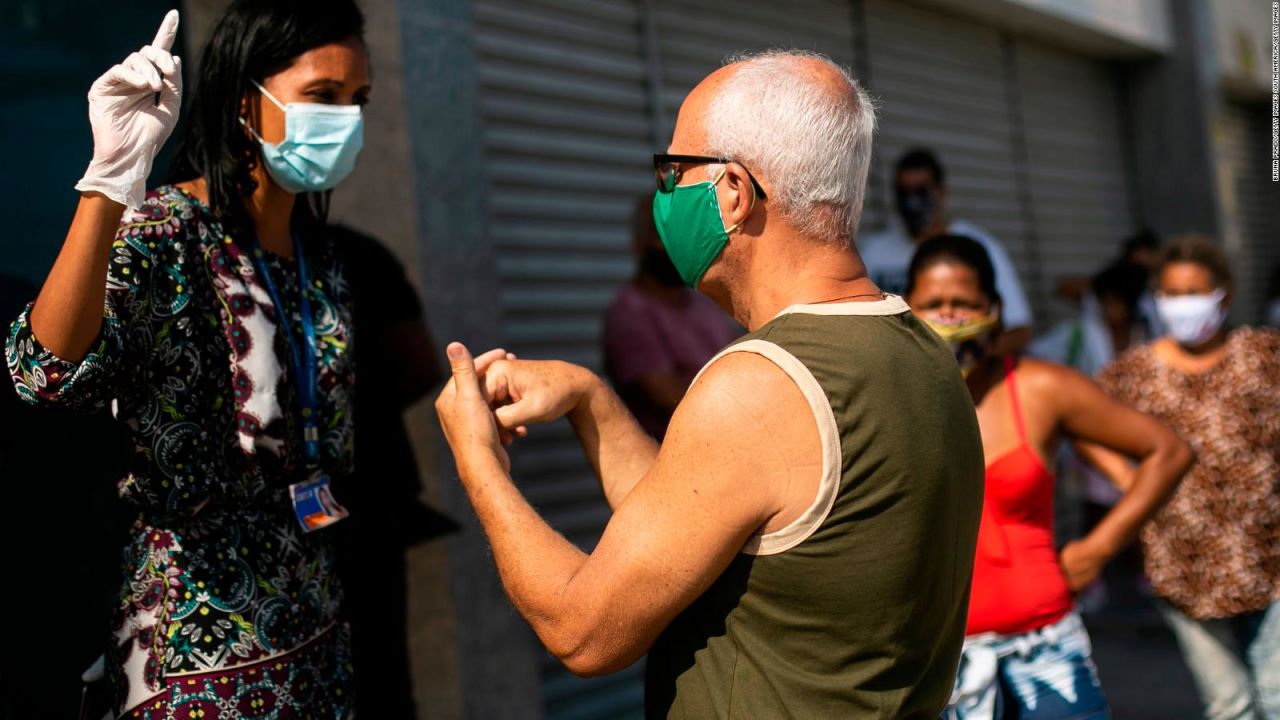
(304, 372)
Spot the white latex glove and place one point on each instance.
(129, 127)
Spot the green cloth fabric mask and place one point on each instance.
(688, 220)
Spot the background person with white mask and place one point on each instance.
(1213, 552)
(212, 315)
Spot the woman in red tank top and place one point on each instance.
(1026, 652)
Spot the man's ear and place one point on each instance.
(738, 203)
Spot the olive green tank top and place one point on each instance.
(856, 609)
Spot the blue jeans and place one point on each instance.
(1045, 674)
(1235, 661)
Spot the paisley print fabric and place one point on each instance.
(279, 689)
(220, 585)
(1213, 550)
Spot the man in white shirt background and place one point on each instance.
(920, 194)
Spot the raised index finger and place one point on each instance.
(167, 32)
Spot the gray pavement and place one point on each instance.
(1141, 668)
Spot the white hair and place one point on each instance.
(812, 144)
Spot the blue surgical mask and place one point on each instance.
(320, 145)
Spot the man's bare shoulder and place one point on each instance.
(744, 386)
(747, 410)
(745, 434)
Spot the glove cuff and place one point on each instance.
(125, 184)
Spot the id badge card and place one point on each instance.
(314, 505)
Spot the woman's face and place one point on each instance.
(948, 292)
(334, 74)
(1186, 278)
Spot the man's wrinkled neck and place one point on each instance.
(796, 270)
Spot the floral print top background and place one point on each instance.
(1213, 550)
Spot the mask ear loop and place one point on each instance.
(274, 101)
(751, 209)
(269, 96)
(252, 132)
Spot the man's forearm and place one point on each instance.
(620, 451)
(535, 562)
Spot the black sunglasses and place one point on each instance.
(667, 170)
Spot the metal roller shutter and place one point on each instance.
(1079, 193)
(941, 83)
(1253, 204)
(567, 141)
(695, 38)
(1030, 136)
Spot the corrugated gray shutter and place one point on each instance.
(1079, 193)
(941, 84)
(567, 136)
(1030, 137)
(1254, 206)
(695, 38)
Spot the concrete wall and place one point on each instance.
(51, 51)
(496, 669)
(1242, 39)
(1238, 66)
(1170, 108)
(1106, 28)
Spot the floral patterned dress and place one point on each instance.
(227, 608)
(1213, 550)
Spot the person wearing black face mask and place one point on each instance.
(920, 201)
(918, 208)
(658, 333)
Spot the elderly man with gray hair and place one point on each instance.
(801, 544)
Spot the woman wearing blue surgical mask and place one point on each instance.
(1026, 653)
(212, 316)
(1213, 552)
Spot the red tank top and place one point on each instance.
(1017, 582)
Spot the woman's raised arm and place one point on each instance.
(133, 108)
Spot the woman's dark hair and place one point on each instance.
(253, 40)
(1200, 250)
(1145, 239)
(1123, 281)
(958, 250)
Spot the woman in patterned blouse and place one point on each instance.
(1213, 552)
(220, 337)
